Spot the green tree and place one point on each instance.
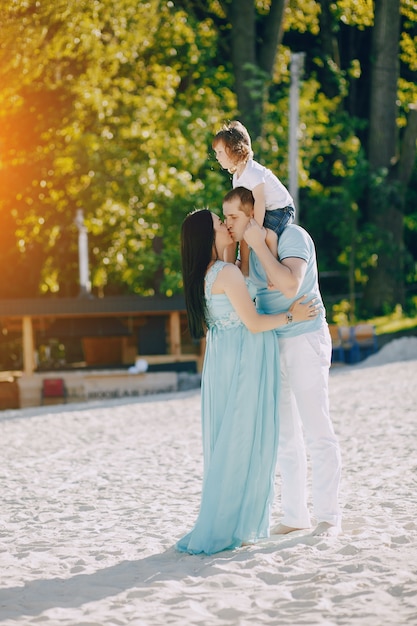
(365, 68)
(250, 32)
(391, 162)
(105, 106)
(111, 107)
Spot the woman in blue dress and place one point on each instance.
(239, 388)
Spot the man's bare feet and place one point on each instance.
(281, 529)
(324, 529)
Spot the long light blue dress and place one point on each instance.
(239, 400)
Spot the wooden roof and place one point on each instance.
(84, 306)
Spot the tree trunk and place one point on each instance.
(408, 147)
(271, 36)
(329, 51)
(244, 61)
(255, 43)
(384, 83)
(385, 287)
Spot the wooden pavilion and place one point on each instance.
(105, 334)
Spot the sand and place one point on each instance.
(94, 497)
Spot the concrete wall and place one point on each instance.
(96, 385)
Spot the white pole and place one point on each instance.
(297, 61)
(85, 284)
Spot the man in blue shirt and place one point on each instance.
(305, 355)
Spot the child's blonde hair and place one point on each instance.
(236, 140)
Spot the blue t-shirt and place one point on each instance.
(293, 242)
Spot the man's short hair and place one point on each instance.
(247, 201)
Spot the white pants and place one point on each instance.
(304, 407)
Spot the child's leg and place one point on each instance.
(275, 222)
(271, 241)
(244, 258)
(229, 255)
(278, 219)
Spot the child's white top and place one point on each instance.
(277, 195)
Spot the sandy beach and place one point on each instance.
(94, 497)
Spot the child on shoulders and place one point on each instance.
(274, 206)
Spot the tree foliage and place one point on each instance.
(110, 106)
(112, 117)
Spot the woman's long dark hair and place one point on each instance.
(197, 239)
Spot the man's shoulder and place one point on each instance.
(294, 231)
(295, 241)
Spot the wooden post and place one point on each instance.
(28, 346)
(174, 333)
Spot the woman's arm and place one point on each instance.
(231, 281)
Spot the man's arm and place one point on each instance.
(287, 276)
